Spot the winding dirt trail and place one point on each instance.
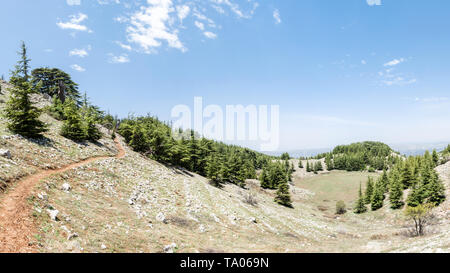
(16, 225)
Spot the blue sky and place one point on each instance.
(341, 70)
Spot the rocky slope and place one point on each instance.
(134, 204)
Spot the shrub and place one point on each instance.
(340, 207)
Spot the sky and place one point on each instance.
(340, 70)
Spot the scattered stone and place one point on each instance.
(42, 196)
(53, 214)
(66, 187)
(5, 153)
(103, 246)
(202, 229)
(170, 248)
(253, 220)
(160, 217)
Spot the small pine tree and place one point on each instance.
(435, 158)
(360, 206)
(308, 167)
(300, 164)
(378, 196)
(72, 126)
(369, 191)
(396, 194)
(283, 196)
(435, 191)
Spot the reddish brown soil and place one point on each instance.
(16, 224)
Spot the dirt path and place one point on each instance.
(16, 225)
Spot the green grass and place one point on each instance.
(335, 186)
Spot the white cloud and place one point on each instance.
(79, 52)
(276, 16)
(183, 12)
(75, 23)
(124, 46)
(118, 59)
(158, 23)
(210, 35)
(77, 68)
(73, 2)
(152, 24)
(200, 25)
(363, 62)
(107, 2)
(374, 2)
(394, 62)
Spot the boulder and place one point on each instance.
(5, 153)
(53, 214)
(66, 187)
(160, 217)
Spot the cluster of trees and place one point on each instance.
(277, 175)
(215, 160)
(79, 116)
(416, 173)
(360, 156)
(315, 167)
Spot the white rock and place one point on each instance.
(53, 214)
(103, 246)
(170, 248)
(202, 229)
(42, 196)
(66, 187)
(5, 153)
(160, 217)
(253, 220)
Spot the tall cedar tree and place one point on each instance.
(46, 81)
(396, 191)
(360, 206)
(378, 196)
(369, 191)
(22, 116)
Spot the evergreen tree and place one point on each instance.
(283, 196)
(360, 206)
(384, 180)
(369, 191)
(22, 116)
(139, 140)
(396, 192)
(435, 158)
(47, 81)
(300, 164)
(435, 191)
(308, 167)
(378, 196)
(263, 177)
(72, 126)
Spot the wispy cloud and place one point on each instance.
(80, 52)
(159, 23)
(77, 68)
(74, 23)
(394, 62)
(118, 59)
(73, 2)
(276, 16)
(373, 2)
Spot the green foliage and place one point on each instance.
(46, 81)
(420, 214)
(360, 205)
(369, 191)
(285, 156)
(72, 126)
(283, 196)
(300, 164)
(359, 156)
(396, 190)
(378, 195)
(22, 116)
(340, 207)
(219, 162)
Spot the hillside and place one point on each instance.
(126, 202)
